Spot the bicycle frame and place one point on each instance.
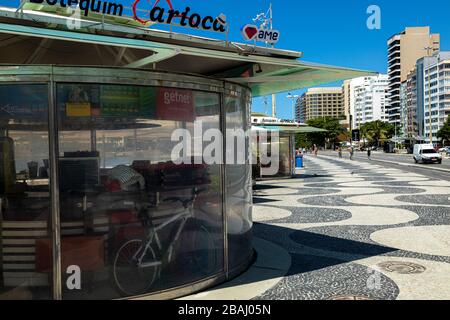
(153, 235)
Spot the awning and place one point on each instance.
(295, 75)
(290, 129)
(264, 70)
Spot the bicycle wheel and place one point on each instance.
(204, 255)
(131, 279)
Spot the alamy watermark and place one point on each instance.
(73, 281)
(199, 146)
(374, 19)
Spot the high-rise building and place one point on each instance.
(298, 109)
(410, 126)
(366, 98)
(403, 106)
(404, 49)
(346, 100)
(319, 103)
(433, 94)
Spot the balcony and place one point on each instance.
(396, 50)
(394, 60)
(395, 79)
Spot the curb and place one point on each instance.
(412, 165)
(408, 165)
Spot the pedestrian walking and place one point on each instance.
(352, 152)
(369, 153)
(316, 150)
(340, 152)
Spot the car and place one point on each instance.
(425, 153)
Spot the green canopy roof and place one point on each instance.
(290, 129)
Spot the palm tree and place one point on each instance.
(364, 131)
(377, 130)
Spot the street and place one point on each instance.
(349, 230)
(403, 162)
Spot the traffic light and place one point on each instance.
(356, 135)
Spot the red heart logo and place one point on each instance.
(250, 32)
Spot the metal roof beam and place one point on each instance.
(161, 55)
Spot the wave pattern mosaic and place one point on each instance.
(351, 230)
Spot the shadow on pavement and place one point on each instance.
(266, 187)
(342, 251)
(261, 200)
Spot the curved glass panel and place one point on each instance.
(238, 181)
(138, 214)
(141, 184)
(25, 205)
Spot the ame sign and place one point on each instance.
(252, 32)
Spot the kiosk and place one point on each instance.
(93, 204)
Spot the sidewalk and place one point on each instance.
(347, 230)
(272, 264)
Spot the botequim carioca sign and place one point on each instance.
(193, 20)
(156, 14)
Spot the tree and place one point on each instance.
(376, 131)
(444, 133)
(303, 140)
(333, 127)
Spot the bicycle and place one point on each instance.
(139, 262)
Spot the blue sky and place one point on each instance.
(331, 32)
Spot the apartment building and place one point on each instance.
(404, 49)
(410, 125)
(319, 103)
(366, 99)
(433, 94)
(298, 110)
(403, 106)
(346, 100)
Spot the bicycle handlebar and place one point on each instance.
(184, 201)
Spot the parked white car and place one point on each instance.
(425, 153)
(445, 150)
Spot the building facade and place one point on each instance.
(366, 99)
(320, 103)
(298, 109)
(411, 127)
(404, 49)
(433, 94)
(346, 98)
(403, 106)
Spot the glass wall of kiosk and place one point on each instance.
(88, 174)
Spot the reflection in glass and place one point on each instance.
(285, 153)
(238, 184)
(25, 271)
(133, 220)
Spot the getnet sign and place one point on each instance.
(154, 13)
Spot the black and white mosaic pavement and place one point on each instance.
(395, 229)
(306, 281)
